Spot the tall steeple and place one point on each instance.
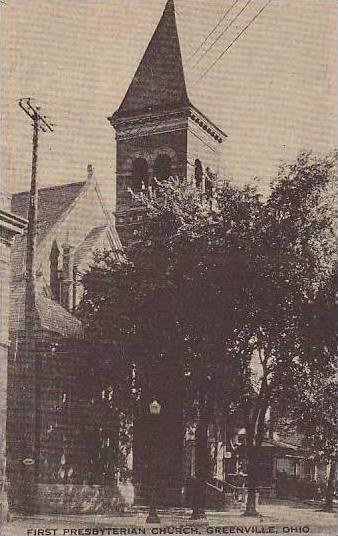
(159, 81)
(158, 132)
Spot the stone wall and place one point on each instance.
(85, 499)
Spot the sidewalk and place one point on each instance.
(275, 519)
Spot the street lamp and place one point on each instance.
(154, 410)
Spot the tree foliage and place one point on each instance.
(224, 302)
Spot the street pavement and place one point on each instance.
(278, 518)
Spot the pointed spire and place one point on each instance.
(170, 7)
(159, 82)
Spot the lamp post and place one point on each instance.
(154, 410)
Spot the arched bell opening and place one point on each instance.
(140, 174)
(162, 167)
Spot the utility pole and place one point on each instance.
(40, 122)
(28, 457)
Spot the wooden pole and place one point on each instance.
(29, 414)
(32, 236)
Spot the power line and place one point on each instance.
(236, 39)
(223, 32)
(213, 30)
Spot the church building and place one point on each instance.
(62, 432)
(59, 429)
(159, 132)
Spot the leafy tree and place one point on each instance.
(214, 289)
(310, 403)
(294, 262)
(163, 302)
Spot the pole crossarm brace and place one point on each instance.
(34, 113)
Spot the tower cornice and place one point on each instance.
(163, 120)
(204, 122)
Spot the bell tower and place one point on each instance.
(159, 133)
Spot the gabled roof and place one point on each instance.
(89, 243)
(55, 319)
(52, 203)
(268, 442)
(49, 315)
(159, 82)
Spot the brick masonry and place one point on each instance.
(10, 226)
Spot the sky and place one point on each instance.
(273, 92)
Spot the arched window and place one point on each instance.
(198, 173)
(162, 167)
(140, 174)
(209, 181)
(55, 280)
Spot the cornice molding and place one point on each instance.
(164, 121)
(202, 121)
(11, 225)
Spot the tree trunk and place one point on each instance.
(250, 509)
(330, 488)
(255, 430)
(202, 464)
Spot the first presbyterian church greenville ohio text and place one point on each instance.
(110, 531)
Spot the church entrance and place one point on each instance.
(158, 457)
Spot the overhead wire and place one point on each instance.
(212, 31)
(234, 40)
(222, 33)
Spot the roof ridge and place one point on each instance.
(55, 187)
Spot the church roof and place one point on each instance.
(49, 315)
(90, 242)
(56, 319)
(159, 82)
(52, 203)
